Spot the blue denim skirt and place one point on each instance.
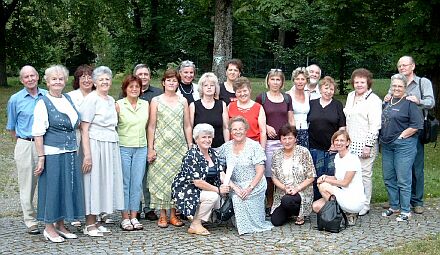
(60, 189)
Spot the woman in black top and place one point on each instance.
(210, 110)
(234, 68)
(188, 89)
(326, 116)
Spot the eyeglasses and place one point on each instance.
(276, 70)
(403, 65)
(85, 77)
(237, 130)
(187, 63)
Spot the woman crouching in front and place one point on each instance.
(292, 173)
(347, 184)
(197, 187)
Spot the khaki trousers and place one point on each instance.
(26, 159)
(209, 200)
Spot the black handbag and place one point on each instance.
(430, 124)
(330, 216)
(226, 210)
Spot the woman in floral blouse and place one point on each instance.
(196, 189)
(292, 173)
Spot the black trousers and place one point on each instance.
(290, 206)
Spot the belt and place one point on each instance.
(31, 139)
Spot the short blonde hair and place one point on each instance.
(207, 77)
(54, 70)
(298, 71)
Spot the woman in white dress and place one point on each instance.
(346, 185)
(102, 168)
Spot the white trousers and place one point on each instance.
(209, 200)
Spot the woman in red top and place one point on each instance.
(252, 111)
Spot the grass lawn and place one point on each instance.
(380, 86)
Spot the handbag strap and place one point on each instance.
(421, 97)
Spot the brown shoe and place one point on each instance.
(175, 221)
(419, 209)
(163, 222)
(33, 230)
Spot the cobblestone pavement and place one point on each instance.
(372, 232)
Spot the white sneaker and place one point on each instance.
(103, 229)
(364, 211)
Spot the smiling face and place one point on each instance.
(85, 82)
(145, 76)
(232, 72)
(360, 85)
(103, 84)
(170, 84)
(204, 141)
(398, 88)
(187, 75)
(275, 83)
(133, 90)
(56, 83)
(341, 143)
(300, 81)
(238, 131)
(29, 77)
(243, 94)
(327, 91)
(314, 74)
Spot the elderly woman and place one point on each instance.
(60, 188)
(362, 111)
(169, 137)
(187, 88)
(293, 174)
(249, 109)
(102, 158)
(245, 158)
(234, 68)
(278, 110)
(401, 119)
(197, 187)
(346, 185)
(300, 102)
(210, 110)
(132, 122)
(82, 85)
(326, 116)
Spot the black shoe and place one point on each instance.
(268, 214)
(151, 215)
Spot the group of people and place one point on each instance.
(185, 146)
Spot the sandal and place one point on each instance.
(126, 225)
(175, 221)
(203, 231)
(136, 224)
(76, 224)
(162, 222)
(94, 232)
(299, 221)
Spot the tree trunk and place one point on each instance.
(222, 37)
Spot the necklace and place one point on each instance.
(183, 90)
(391, 101)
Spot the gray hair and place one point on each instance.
(140, 66)
(28, 66)
(275, 72)
(100, 70)
(207, 77)
(49, 72)
(238, 118)
(298, 71)
(308, 68)
(202, 128)
(401, 77)
(187, 63)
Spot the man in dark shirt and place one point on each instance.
(143, 72)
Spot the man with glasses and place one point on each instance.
(20, 119)
(143, 72)
(406, 66)
(314, 75)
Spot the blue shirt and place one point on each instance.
(21, 112)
